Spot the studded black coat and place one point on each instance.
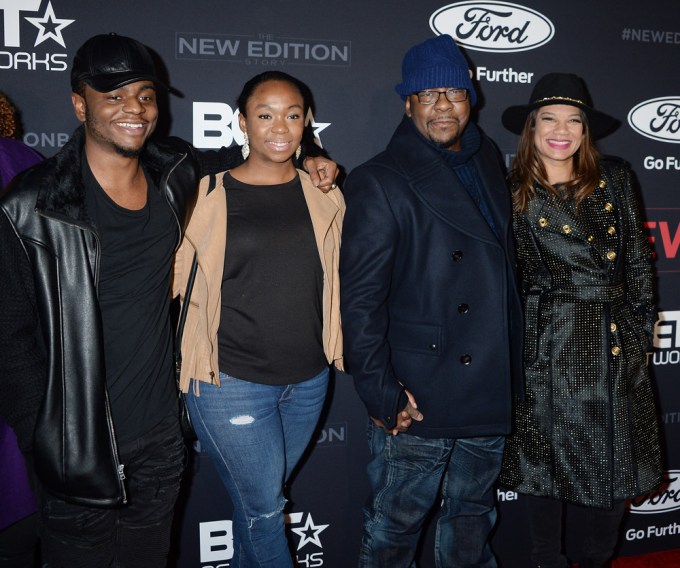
(587, 430)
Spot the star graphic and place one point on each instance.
(316, 126)
(50, 26)
(305, 531)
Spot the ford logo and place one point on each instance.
(658, 119)
(493, 26)
(667, 499)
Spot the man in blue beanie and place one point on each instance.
(431, 317)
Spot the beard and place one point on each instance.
(127, 152)
(448, 141)
(93, 127)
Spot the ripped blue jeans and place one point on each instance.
(255, 435)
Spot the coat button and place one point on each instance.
(608, 207)
(616, 350)
(543, 222)
(602, 184)
(466, 359)
(611, 255)
(611, 231)
(612, 326)
(463, 308)
(457, 255)
(566, 229)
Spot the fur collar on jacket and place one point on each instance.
(60, 185)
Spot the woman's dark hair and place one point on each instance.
(528, 170)
(255, 82)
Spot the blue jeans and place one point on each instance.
(408, 475)
(255, 435)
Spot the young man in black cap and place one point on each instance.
(429, 310)
(86, 243)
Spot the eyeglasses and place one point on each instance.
(432, 97)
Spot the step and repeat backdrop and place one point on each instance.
(349, 52)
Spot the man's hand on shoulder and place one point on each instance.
(322, 171)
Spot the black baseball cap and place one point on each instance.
(109, 61)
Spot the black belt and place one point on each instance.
(595, 293)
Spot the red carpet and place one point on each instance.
(666, 559)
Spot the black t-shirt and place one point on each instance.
(271, 320)
(134, 298)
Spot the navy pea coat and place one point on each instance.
(428, 293)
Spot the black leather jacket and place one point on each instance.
(74, 446)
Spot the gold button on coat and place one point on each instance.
(616, 350)
(543, 222)
(611, 255)
(612, 326)
(611, 231)
(608, 206)
(602, 184)
(566, 229)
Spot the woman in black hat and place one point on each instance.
(586, 432)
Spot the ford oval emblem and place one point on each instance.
(662, 501)
(658, 119)
(493, 26)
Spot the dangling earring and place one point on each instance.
(245, 149)
(298, 152)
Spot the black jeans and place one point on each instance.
(545, 523)
(135, 535)
(18, 544)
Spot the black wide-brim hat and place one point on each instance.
(559, 89)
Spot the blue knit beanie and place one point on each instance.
(435, 63)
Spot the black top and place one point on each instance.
(271, 320)
(134, 297)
